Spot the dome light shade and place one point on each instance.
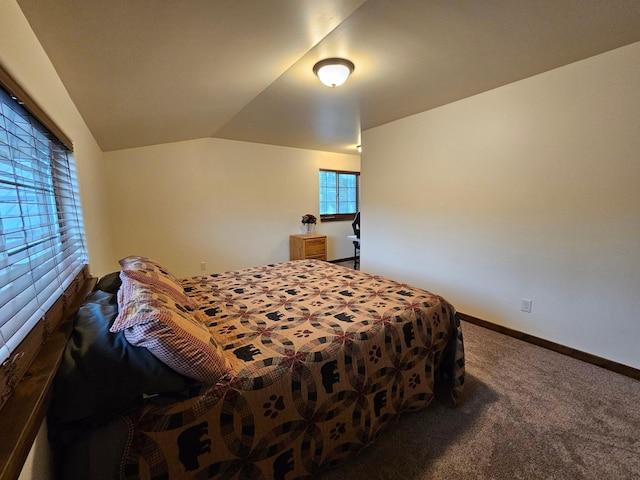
(333, 72)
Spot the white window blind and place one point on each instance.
(42, 245)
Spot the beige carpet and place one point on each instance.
(527, 413)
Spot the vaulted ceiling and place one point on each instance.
(144, 72)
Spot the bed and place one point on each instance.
(277, 371)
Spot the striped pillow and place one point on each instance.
(152, 273)
(170, 331)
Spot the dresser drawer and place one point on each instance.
(308, 246)
(315, 247)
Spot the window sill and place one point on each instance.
(26, 407)
(339, 217)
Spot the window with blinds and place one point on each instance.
(42, 246)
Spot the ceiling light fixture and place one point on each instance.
(333, 72)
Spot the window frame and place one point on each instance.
(32, 107)
(338, 217)
(26, 377)
(42, 240)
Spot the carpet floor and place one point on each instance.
(526, 413)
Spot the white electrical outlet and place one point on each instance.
(526, 305)
(203, 265)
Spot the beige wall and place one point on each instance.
(229, 204)
(23, 57)
(529, 191)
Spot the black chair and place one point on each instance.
(356, 244)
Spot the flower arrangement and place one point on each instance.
(309, 219)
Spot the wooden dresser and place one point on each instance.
(302, 247)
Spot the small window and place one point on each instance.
(339, 195)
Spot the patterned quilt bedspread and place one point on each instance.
(322, 356)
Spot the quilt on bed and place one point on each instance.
(322, 357)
